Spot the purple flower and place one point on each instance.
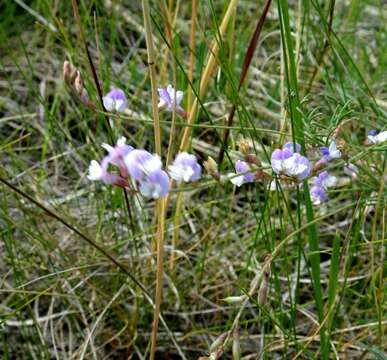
(243, 168)
(297, 166)
(318, 195)
(155, 184)
(331, 152)
(291, 146)
(324, 180)
(140, 163)
(115, 100)
(99, 172)
(118, 153)
(375, 138)
(278, 158)
(185, 167)
(372, 132)
(168, 96)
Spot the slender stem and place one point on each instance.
(176, 229)
(160, 204)
(152, 73)
(159, 273)
(192, 44)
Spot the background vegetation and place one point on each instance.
(318, 66)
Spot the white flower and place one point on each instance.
(334, 152)
(95, 171)
(379, 138)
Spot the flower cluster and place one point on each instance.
(289, 162)
(320, 184)
(144, 168)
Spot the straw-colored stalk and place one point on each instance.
(179, 199)
(208, 70)
(160, 204)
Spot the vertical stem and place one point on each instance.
(176, 228)
(160, 208)
(160, 204)
(191, 55)
(152, 74)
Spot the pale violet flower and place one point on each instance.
(185, 167)
(320, 184)
(291, 146)
(325, 180)
(168, 96)
(140, 163)
(118, 153)
(297, 166)
(115, 100)
(243, 168)
(155, 185)
(331, 152)
(278, 158)
(146, 169)
(318, 195)
(375, 138)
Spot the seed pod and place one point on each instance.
(262, 292)
(235, 299)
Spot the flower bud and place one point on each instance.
(211, 167)
(78, 83)
(244, 146)
(253, 159)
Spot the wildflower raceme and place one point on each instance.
(292, 164)
(144, 168)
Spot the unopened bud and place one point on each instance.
(78, 83)
(211, 167)
(244, 146)
(253, 159)
(67, 71)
